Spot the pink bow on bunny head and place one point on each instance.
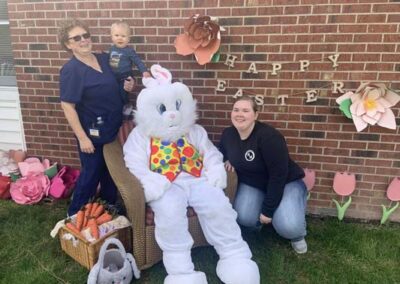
(161, 76)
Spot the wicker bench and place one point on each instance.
(144, 246)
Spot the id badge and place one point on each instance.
(94, 132)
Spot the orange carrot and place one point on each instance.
(88, 208)
(80, 218)
(94, 230)
(99, 210)
(94, 207)
(73, 228)
(104, 218)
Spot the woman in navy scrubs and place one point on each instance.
(92, 104)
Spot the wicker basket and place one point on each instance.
(86, 253)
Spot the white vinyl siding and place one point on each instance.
(11, 128)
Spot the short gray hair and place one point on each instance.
(65, 27)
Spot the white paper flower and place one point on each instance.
(371, 104)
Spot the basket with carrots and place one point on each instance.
(85, 232)
(90, 216)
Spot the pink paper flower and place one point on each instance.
(371, 104)
(30, 189)
(201, 37)
(393, 191)
(344, 183)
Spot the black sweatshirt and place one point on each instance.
(262, 161)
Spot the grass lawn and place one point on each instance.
(339, 252)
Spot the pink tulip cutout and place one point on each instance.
(309, 178)
(344, 184)
(393, 194)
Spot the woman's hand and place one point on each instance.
(129, 84)
(265, 220)
(229, 167)
(86, 145)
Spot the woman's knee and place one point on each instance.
(247, 220)
(290, 228)
(248, 204)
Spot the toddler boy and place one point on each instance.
(123, 57)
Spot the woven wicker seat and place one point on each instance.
(145, 249)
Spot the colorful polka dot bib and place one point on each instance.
(170, 158)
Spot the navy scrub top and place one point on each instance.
(95, 94)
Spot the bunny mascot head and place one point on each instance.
(165, 110)
(179, 166)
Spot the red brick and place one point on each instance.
(301, 10)
(391, 38)
(244, 12)
(283, 20)
(124, 14)
(325, 9)
(110, 5)
(352, 28)
(230, 3)
(386, 8)
(279, 31)
(273, 11)
(363, 8)
(324, 29)
(371, 18)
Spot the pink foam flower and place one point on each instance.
(30, 189)
(344, 183)
(370, 104)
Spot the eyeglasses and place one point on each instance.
(79, 37)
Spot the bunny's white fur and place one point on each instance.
(167, 111)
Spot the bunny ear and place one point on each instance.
(149, 82)
(162, 75)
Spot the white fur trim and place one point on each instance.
(238, 271)
(193, 278)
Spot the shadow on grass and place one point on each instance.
(339, 252)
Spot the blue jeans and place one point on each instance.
(289, 218)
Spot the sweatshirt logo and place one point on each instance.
(249, 155)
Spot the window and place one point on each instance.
(7, 70)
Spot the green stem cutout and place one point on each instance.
(342, 209)
(387, 212)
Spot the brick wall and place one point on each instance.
(364, 32)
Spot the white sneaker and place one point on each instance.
(300, 246)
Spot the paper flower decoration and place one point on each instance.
(370, 104)
(393, 194)
(201, 37)
(344, 184)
